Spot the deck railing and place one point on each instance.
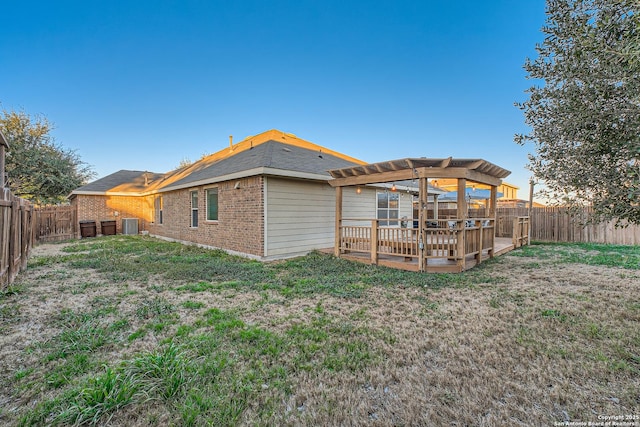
(451, 239)
(521, 231)
(355, 238)
(398, 241)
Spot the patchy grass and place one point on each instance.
(627, 257)
(133, 331)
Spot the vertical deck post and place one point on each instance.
(478, 224)
(374, 241)
(518, 227)
(338, 231)
(492, 215)
(462, 212)
(422, 220)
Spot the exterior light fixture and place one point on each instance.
(358, 190)
(393, 187)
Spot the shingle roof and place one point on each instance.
(270, 154)
(122, 181)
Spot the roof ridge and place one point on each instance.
(278, 136)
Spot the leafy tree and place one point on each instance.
(184, 162)
(38, 168)
(585, 115)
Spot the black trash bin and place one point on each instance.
(108, 227)
(87, 229)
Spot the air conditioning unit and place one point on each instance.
(129, 225)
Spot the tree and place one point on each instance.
(184, 162)
(38, 168)
(585, 117)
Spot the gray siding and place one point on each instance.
(300, 215)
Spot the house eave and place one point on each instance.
(107, 193)
(245, 174)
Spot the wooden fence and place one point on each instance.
(55, 223)
(22, 226)
(555, 224)
(16, 235)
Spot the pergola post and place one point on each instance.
(338, 234)
(492, 215)
(462, 199)
(422, 236)
(462, 212)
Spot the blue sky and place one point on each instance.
(143, 84)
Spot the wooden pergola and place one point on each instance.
(438, 244)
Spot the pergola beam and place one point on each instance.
(407, 174)
(476, 164)
(446, 162)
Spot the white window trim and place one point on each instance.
(159, 207)
(388, 209)
(206, 197)
(191, 209)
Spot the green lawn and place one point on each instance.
(138, 331)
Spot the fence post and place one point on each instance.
(25, 238)
(34, 222)
(4, 145)
(13, 219)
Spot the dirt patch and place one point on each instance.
(50, 249)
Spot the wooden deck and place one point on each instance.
(436, 243)
(435, 265)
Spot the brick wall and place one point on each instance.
(240, 225)
(100, 208)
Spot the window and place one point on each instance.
(388, 208)
(194, 208)
(159, 206)
(212, 204)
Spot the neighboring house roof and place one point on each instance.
(123, 181)
(470, 193)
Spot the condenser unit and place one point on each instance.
(129, 225)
